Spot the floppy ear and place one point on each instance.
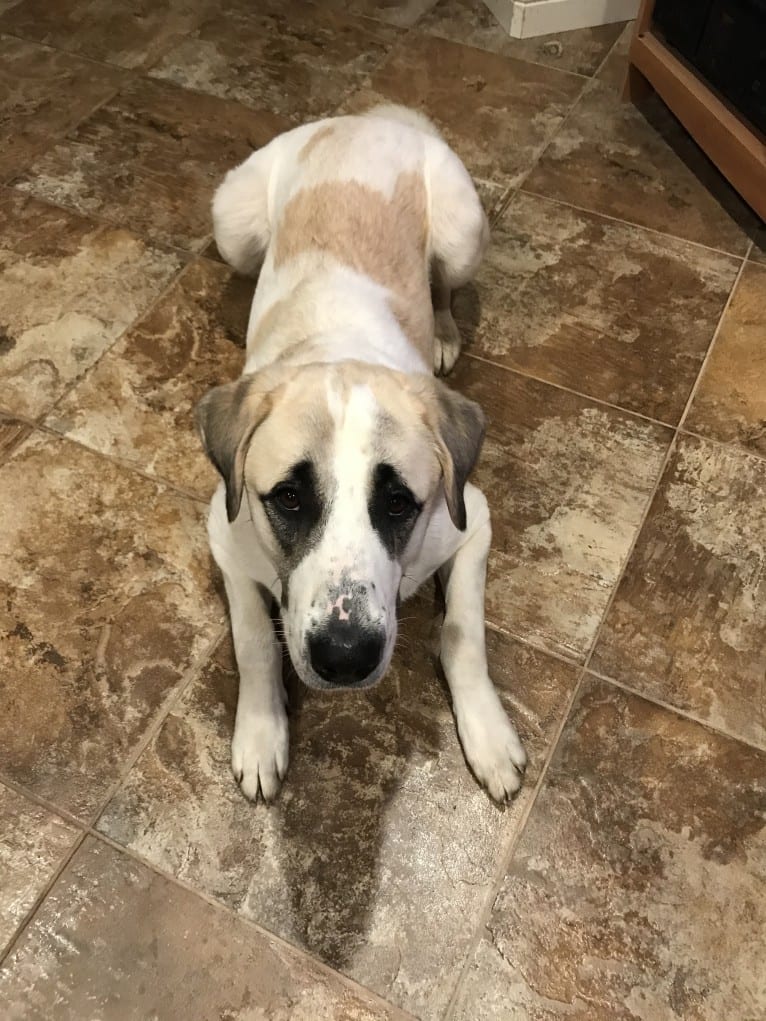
(226, 418)
(459, 433)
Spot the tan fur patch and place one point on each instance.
(384, 239)
(316, 139)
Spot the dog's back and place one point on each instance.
(343, 218)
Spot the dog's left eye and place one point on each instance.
(397, 504)
(288, 499)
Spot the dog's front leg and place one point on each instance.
(259, 749)
(490, 743)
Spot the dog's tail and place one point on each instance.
(404, 115)
(240, 212)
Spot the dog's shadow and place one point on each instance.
(664, 123)
(351, 755)
(466, 311)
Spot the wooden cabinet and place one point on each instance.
(707, 61)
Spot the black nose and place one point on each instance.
(344, 653)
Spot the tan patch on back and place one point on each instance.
(316, 139)
(384, 239)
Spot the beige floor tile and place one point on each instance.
(640, 166)
(688, 624)
(299, 61)
(567, 483)
(591, 304)
(131, 34)
(614, 69)
(150, 160)
(117, 942)
(68, 288)
(404, 13)
(730, 403)
(43, 94)
(33, 842)
(472, 23)
(12, 433)
(138, 403)
(637, 889)
(106, 597)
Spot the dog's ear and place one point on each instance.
(459, 431)
(227, 417)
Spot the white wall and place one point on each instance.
(524, 18)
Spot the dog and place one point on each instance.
(344, 461)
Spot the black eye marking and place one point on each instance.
(393, 508)
(294, 509)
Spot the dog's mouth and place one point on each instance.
(311, 680)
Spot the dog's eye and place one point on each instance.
(288, 499)
(397, 504)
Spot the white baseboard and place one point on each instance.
(522, 19)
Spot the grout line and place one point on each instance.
(71, 53)
(519, 184)
(41, 802)
(566, 389)
(508, 196)
(671, 449)
(188, 677)
(123, 463)
(498, 629)
(733, 444)
(709, 352)
(634, 225)
(685, 714)
(509, 57)
(161, 294)
(506, 853)
(174, 698)
(291, 948)
(26, 921)
(56, 137)
(630, 23)
(96, 220)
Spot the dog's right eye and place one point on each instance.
(288, 499)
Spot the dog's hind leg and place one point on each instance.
(459, 237)
(241, 217)
(447, 339)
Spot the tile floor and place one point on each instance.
(615, 335)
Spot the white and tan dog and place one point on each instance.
(344, 461)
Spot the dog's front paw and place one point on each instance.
(259, 754)
(491, 745)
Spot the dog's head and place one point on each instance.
(339, 468)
